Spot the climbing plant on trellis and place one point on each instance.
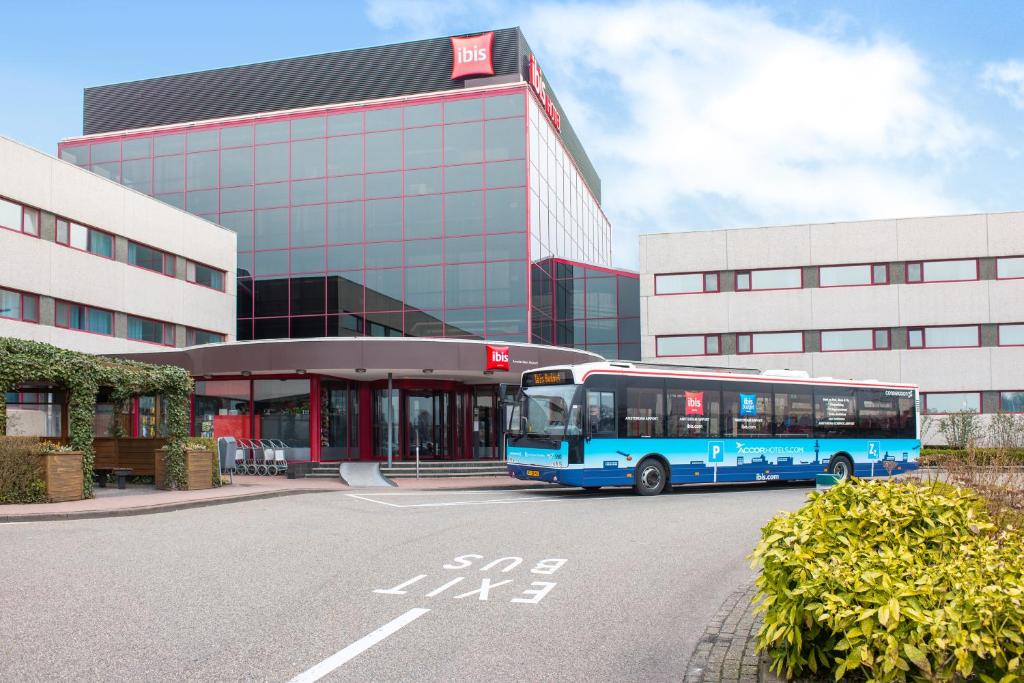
(82, 376)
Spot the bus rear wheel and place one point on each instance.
(650, 478)
(841, 467)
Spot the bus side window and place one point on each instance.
(601, 413)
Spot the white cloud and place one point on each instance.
(691, 110)
(1007, 79)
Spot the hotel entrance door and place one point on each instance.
(428, 425)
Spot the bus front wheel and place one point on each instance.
(841, 467)
(650, 478)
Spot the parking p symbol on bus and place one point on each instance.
(716, 451)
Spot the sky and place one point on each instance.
(697, 115)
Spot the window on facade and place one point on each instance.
(688, 345)
(152, 331)
(854, 340)
(955, 337)
(686, 283)
(196, 337)
(19, 306)
(84, 318)
(845, 276)
(770, 342)
(205, 275)
(10, 215)
(1010, 267)
(952, 402)
(694, 408)
(742, 281)
(86, 239)
(1011, 335)
(784, 278)
(942, 271)
(794, 410)
(150, 259)
(747, 409)
(1011, 401)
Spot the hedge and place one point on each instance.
(934, 455)
(892, 581)
(21, 474)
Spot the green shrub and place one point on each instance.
(938, 455)
(892, 581)
(21, 474)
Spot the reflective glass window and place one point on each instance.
(506, 139)
(168, 174)
(944, 271)
(463, 110)
(602, 297)
(10, 215)
(308, 225)
(383, 220)
(463, 143)
(137, 148)
(951, 336)
(952, 402)
(236, 167)
(344, 124)
(384, 151)
(423, 216)
(200, 140)
(1011, 401)
(384, 289)
(464, 285)
(422, 115)
(345, 188)
(506, 247)
(504, 105)
(384, 185)
(789, 278)
(236, 136)
(308, 191)
(838, 276)
(241, 224)
(506, 284)
(268, 196)
(309, 127)
(465, 322)
(308, 160)
(681, 345)
(1010, 267)
(345, 223)
(202, 170)
(383, 119)
(270, 263)
(506, 210)
(30, 221)
(464, 213)
(423, 147)
(345, 155)
(422, 252)
(747, 409)
(384, 255)
(345, 258)
(423, 181)
(506, 173)
(1011, 335)
(169, 144)
(271, 163)
(847, 340)
(138, 175)
(310, 260)
(276, 131)
(424, 287)
(463, 249)
(271, 229)
(465, 177)
(106, 151)
(778, 342)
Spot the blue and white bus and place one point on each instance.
(625, 424)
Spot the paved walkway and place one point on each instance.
(726, 650)
(136, 500)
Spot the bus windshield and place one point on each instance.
(552, 411)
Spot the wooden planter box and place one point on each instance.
(198, 470)
(62, 473)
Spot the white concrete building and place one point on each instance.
(90, 265)
(934, 301)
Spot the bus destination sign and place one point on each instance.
(538, 379)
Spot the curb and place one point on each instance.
(153, 509)
(484, 487)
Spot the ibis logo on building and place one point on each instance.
(472, 56)
(497, 358)
(539, 87)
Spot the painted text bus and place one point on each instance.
(625, 424)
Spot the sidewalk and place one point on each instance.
(141, 500)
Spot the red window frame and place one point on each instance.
(750, 336)
(1008, 277)
(873, 330)
(90, 229)
(716, 337)
(923, 280)
(925, 395)
(871, 274)
(190, 335)
(704, 283)
(999, 334)
(165, 326)
(25, 209)
(1002, 409)
(924, 337)
(167, 260)
(750, 279)
(66, 322)
(190, 264)
(22, 296)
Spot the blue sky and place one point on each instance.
(697, 115)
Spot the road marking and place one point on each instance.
(371, 500)
(355, 649)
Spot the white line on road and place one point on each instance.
(355, 649)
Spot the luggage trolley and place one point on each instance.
(276, 462)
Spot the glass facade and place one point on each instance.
(417, 218)
(596, 309)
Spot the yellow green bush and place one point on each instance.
(21, 474)
(892, 581)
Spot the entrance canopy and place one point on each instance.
(366, 358)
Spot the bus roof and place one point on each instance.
(584, 370)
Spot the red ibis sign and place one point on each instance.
(539, 87)
(473, 56)
(497, 358)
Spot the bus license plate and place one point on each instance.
(533, 473)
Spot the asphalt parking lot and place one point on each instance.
(554, 584)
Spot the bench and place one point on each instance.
(122, 474)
